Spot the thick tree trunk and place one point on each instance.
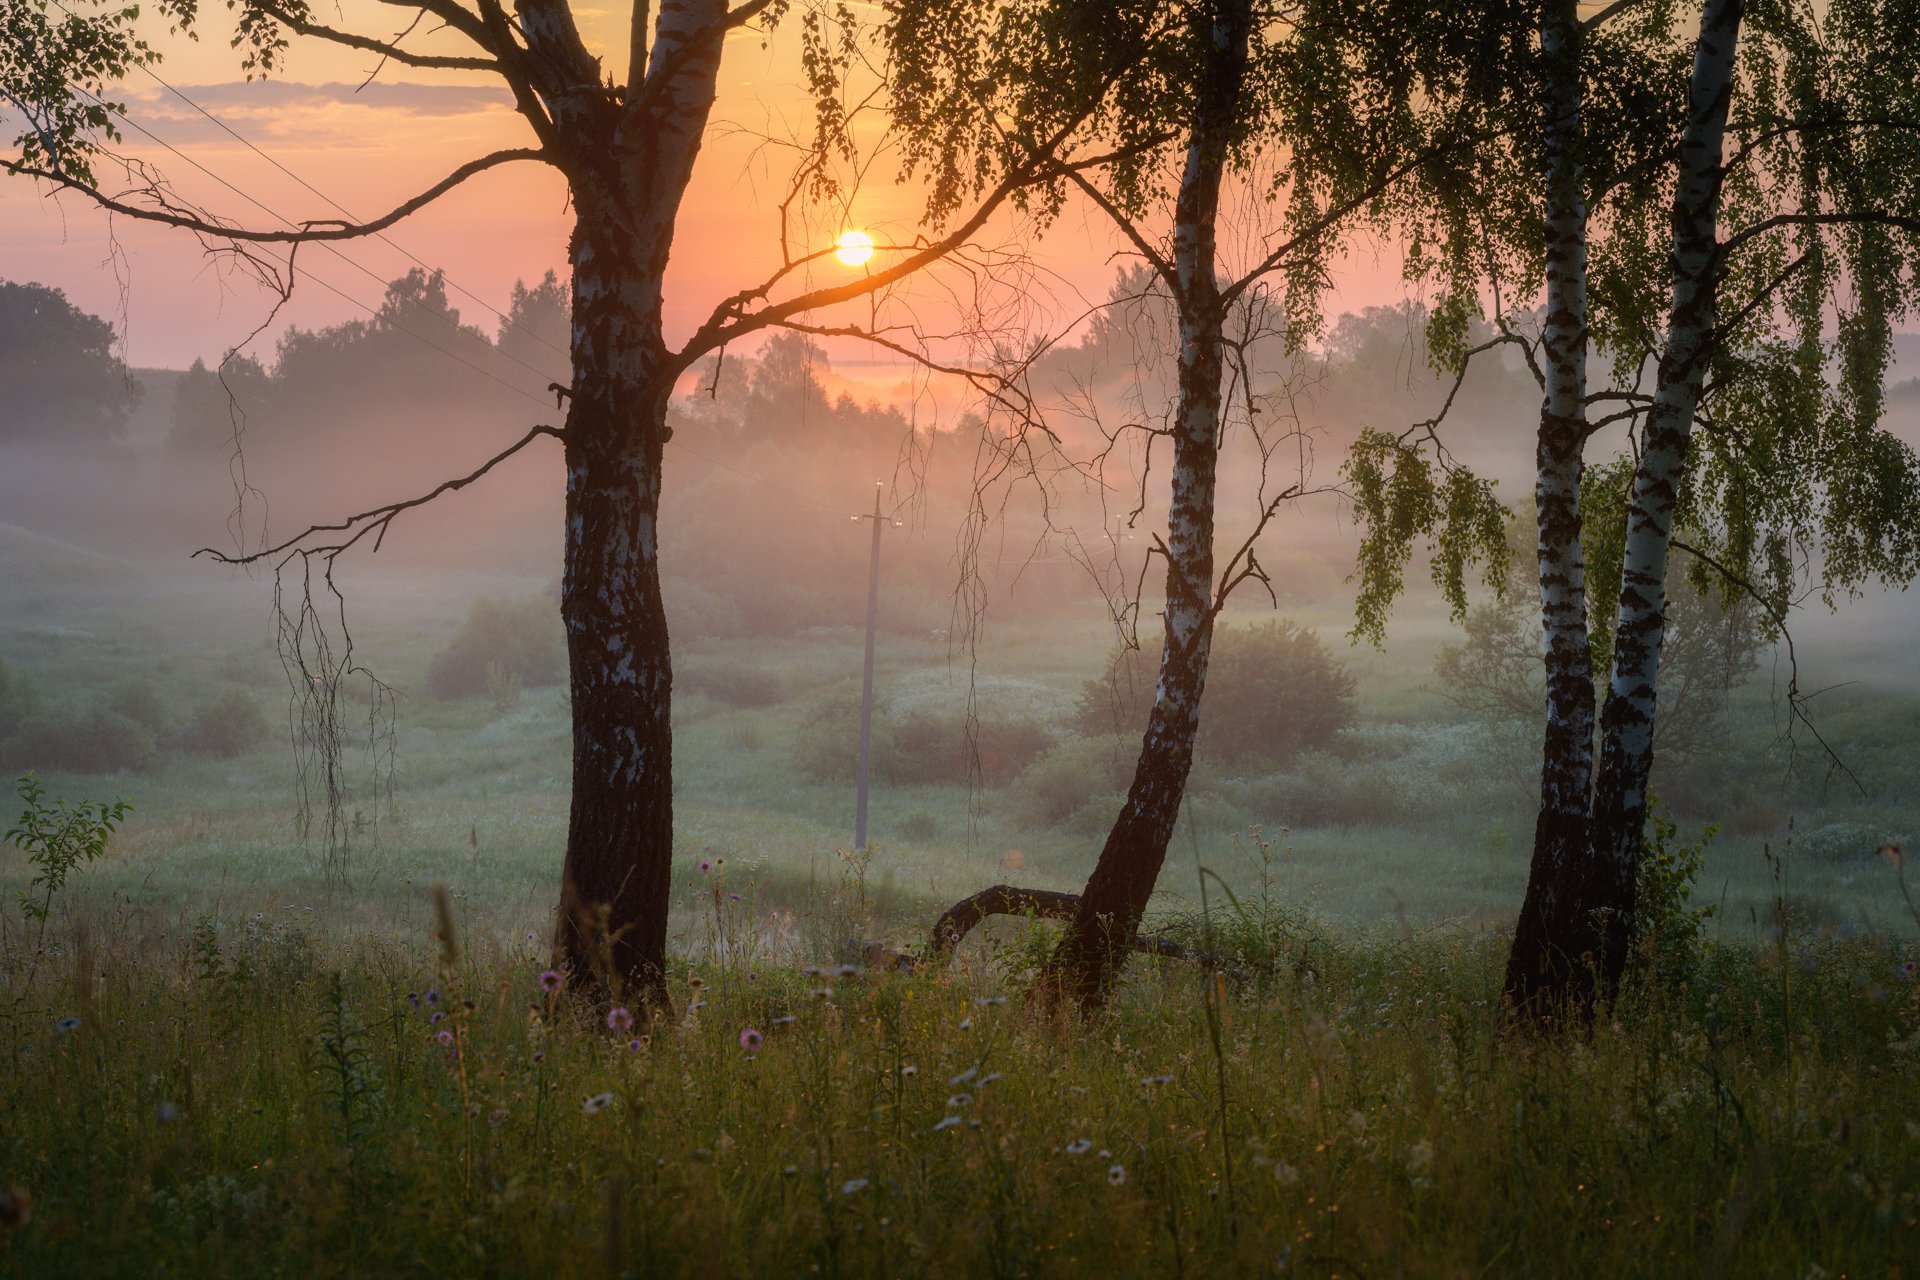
(1626, 750)
(1101, 931)
(1549, 938)
(612, 927)
(629, 165)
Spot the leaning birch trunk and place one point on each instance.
(1626, 726)
(1101, 931)
(1537, 964)
(629, 175)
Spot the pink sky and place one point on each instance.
(370, 149)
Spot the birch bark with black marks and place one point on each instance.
(634, 162)
(1100, 933)
(1626, 725)
(1549, 916)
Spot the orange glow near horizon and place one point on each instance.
(369, 146)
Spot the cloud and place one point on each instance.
(402, 96)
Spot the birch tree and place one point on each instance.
(1229, 84)
(628, 149)
(1807, 227)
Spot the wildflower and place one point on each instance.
(619, 1018)
(436, 1017)
(1157, 1080)
(597, 1103)
(948, 1123)
(789, 1171)
(990, 1077)
(987, 1001)
(750, 1039)
(1116, 1174)
(966, 1024)
(733, 897)
(67, 1024)
(413, 999)
(445, 1037)
(705, 866)
(539, 1056)
(847, 971)
(635, 1046)
(784, 1020)
(550, 981)
(852, 1185)
(1419, 1157)
(1079, 1146)
(909, 1070)
(823, 993)
(433, 995)
(963, 1077)
(959, 1100)
(166, 1113)
(1909, 967)
(696, 982)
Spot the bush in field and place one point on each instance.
(225, 725)
(139, 702)
(520, 637)
(72, 739)
(1273, 691)
(915, 748)
(735, 686)
(1077, 785)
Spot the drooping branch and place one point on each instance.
(355, 529)
(317, 229)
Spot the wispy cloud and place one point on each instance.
(402, 96)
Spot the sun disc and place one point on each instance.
(854, 248)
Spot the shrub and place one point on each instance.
(521, 637)
(139, 702)
(79, 740)
(1273, 691)
(1076, 784)
(1668, 929)
(225, 725)
(917, 748)
(735, 686)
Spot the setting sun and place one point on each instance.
(855, 248)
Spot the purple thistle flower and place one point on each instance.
(435, 1018)
(619, 1018)
(750, 1039)
(550, 981)
(705, 866)
(433, 995)
(635, 1046)
(445, 1038)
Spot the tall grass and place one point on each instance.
(240, 1099)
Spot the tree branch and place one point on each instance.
(318, 229)
(378, 520)
(385, 48)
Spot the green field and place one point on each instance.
(250, 1090)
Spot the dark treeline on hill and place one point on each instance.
(60, 377)
(773, 448)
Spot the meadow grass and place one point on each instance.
(274, 1095)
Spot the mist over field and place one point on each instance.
(136, 669)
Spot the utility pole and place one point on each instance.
(866, 679)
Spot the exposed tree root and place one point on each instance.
(960, 919)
